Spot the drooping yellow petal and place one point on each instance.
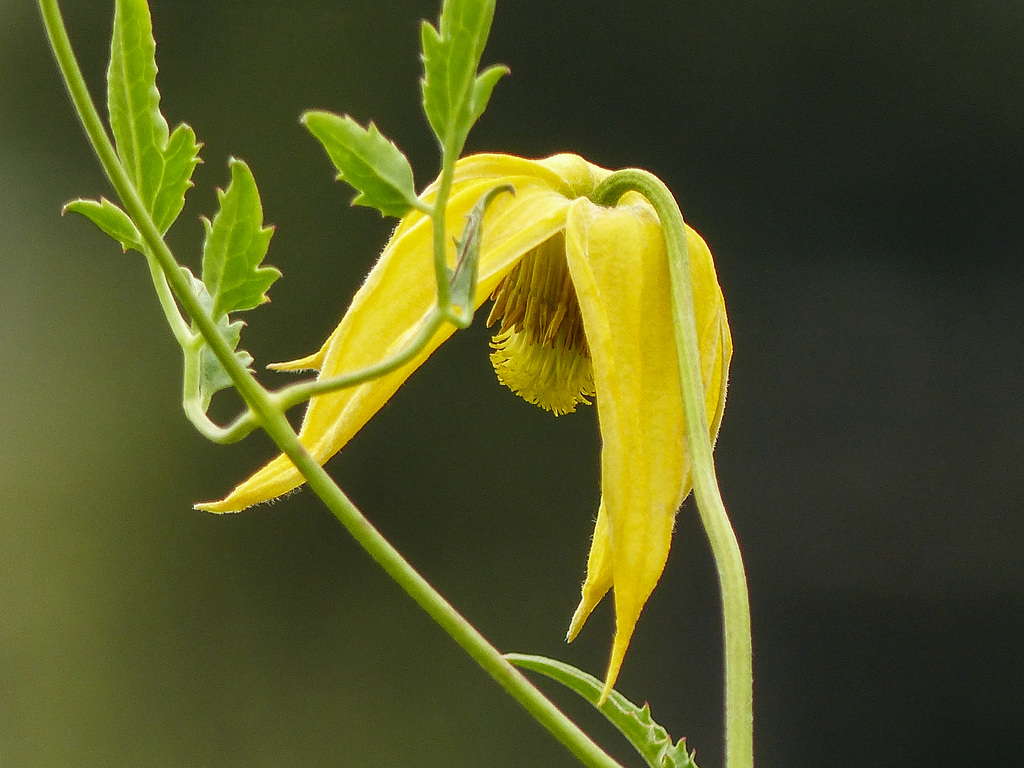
(396, 299)
(599, 574)
(619, 267)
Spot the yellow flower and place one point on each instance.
(582, 303)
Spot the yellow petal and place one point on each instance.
(566, 173)
(599, 574)
(619, 268)
(394, 303)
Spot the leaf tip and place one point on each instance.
(311, 117)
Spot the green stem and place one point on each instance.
(739, 711)
(182, 333)
(444, 188)
(289, 396)
(292, 395)
(457, 627)
(244, 424)
(272, 419)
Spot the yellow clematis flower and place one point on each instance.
(582, 301)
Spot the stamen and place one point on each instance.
(540, 349)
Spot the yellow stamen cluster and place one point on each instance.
(540, 350)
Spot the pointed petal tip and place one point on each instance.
(308, 363)
(233, 502)
(242, 498)
(216, 507)
(592, 595)
(579, 618)
(614, 666)
(277, 479)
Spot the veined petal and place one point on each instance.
(619, 268)
(393, 304)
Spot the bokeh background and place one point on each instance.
(858, 169)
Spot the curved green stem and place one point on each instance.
(739, 710)
(290, 396)
(267, 413)
(244, 424)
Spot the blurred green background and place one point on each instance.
(858, 170)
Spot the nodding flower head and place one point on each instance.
(582, 310)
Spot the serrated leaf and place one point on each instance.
(213, 377)
(111, 219)
(483, 86)
(635, 723)
(140, 131)
(367, 160)
(180, 158)
(454, 96)
(467, 249)
(160, 165)
(236, 243)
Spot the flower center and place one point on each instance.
(540, 350)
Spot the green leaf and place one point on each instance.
(236, 243)
(160, 165)
(111, 219)
(140, 131)
(463, 278)
(454, 96)
(213, 377)
(635, 723)
(482, 88)
(180, 157)
(367, 160)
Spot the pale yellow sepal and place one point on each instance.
(395, 300)
(619, 267)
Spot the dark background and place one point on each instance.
(858, 170)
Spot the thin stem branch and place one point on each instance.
(739, 711)
(290, 396)
(267, 413)
(182, 333)
(440, 204)
(195, 411)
